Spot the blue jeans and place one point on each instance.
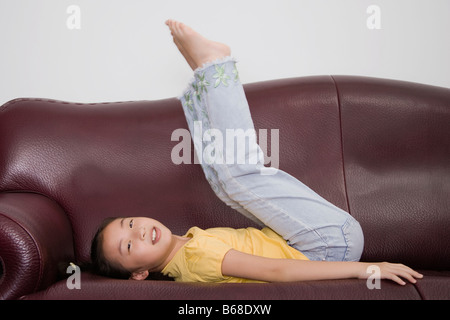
(215, 104)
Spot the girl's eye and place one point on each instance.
(129, 246)
(131, 223)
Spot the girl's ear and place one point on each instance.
(141, 275)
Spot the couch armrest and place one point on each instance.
(35, 237)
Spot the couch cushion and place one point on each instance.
(94, 287)
(434, 286)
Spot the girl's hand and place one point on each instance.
(393, 271)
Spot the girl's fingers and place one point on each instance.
(408, 277)
(399, 272)
(397, 279)
(408, 274)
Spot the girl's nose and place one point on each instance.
(142, 233)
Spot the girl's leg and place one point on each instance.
(188, 42)
(215, 100)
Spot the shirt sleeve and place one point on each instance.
(204, 258)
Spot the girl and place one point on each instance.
(304, 236)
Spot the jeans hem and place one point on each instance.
(205, 66)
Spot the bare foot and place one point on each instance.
(196, 49)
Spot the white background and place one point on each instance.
(124, 52)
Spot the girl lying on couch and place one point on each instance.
(303, 236)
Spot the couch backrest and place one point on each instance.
(114, 159)
(397, 167)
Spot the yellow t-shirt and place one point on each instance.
(200, 259)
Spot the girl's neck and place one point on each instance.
(177, 243)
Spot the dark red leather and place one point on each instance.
(396, 139)
(95, 288)
(377, 148)
(36, 240)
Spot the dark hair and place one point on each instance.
(99, 264)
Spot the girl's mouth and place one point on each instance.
(156, 235)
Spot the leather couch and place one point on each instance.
(377, 148)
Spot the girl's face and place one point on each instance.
(138, 244)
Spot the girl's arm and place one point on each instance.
(243, 265)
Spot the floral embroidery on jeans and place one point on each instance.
(197, 91)
(202, 83)
(200, 86)
(188, 101)
(236, 73)
(220, 76)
